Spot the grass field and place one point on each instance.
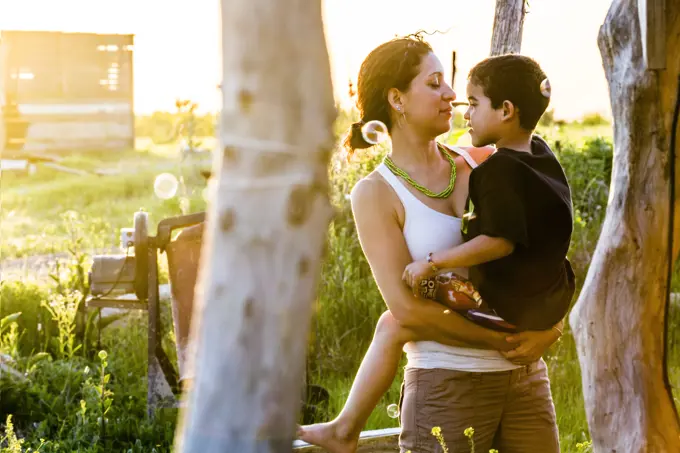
(32, 205)
(33, 222)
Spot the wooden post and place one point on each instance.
(619, 318)
(266, 229)
(653, 31)
(508, 24)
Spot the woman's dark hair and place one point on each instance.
(393, 64)
(513, 78)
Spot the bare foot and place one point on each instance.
(329, 436)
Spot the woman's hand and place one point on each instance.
(416, 271)
(530, 345)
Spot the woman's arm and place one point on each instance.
(532, 344)
(385, 248)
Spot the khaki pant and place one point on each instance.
(511, 411)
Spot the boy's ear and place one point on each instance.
(509, 111)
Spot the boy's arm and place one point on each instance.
(383, 244)
(501, 226)
(479, 250)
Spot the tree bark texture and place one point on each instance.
(508, 23)
(266, 229)
(619, 318)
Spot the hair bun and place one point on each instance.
(355, 137)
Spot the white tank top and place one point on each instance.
(427, 230)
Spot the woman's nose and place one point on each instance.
(449, 95)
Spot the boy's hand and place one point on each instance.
(416, 271)
(531, 345)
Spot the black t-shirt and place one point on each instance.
(525, 198)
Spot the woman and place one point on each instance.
(459, 377)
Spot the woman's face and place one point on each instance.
(427, 103)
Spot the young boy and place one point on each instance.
(519, 205)
(517, 231)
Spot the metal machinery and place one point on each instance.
(115, 275)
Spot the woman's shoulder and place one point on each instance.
(479, 155)
(374, 193)
(371, 187)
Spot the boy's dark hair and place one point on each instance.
(513, 78)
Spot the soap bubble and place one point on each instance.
(374, 132)
(165, 186)
(545, 88)
(393, 411)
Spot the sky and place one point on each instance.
(177, 42)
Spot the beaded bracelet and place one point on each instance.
(429, 260)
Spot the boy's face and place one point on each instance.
(484, 121)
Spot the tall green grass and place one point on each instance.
(349, 303)
(347, 308)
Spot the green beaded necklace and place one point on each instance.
(443, 194)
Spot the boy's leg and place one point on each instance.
(529, 422)
(374, 378)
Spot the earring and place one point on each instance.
(402, 118)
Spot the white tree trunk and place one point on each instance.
(508, 24)
(619, 318)
(266, 229)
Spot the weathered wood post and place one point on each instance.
(619, 318)
(266, 229)
(508, 24)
